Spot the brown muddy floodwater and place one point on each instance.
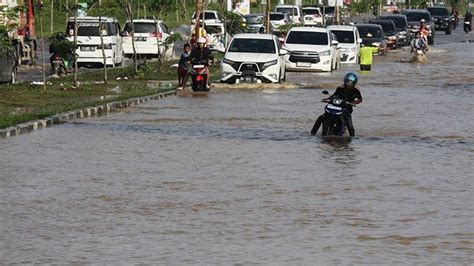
(235, 177)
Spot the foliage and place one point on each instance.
(5, 42)
(60, 44)
(233, 22)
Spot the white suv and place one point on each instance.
(148, 35)
(311, 49)
(89, 48)
(349, 42)
(253, 57)
(312, 16)
(294, 12)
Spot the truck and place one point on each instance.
(21, 28)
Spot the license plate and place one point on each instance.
(88, 48)
(140, 39)
(303, 64)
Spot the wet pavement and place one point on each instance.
(235, 177)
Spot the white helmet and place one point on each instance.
(201, 40)
(422, 20)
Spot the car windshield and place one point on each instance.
(387, 27)
(311, 12)
(307, 37)
(141, 27)
(258, 46)
(254, 19)
(438, 11)
(329, 10)
(277, 16)
(88, 29)
(369, 32)
(400, 22)
(417, 16)
(207, 15)
(288, 10)
(344, 36)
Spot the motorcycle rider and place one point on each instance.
(467, 18)
(349, 93)
(202, 55)
(424, 30)
(418, 43)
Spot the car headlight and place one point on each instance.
(227, 61)
(268, 64)
(325, 53)
(446, 19)
(392, 38)
(403, 33)
(353, 49)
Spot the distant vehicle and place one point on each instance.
(89, 48)
(217, 37)
(414, 16)
(312, 16)
(441, 18)
(390, 31)
(329, 15)
(312, 49)
(8, 66)
(401, 25)
(278, 19)
(349, 42)
(294, 12)
(373, 35)
(148, 36)
(254, 23)
(210, 16)
(253, 57)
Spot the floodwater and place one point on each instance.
(235, 177)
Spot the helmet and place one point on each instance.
(201, 40)
(422, 20)
(350, 79)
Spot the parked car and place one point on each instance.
(414, 16)
(349, 42)
(253, 57)
(253, 23)
(441, 18)
(373, 35)
(312, 16)
(278, 19)
(8, 66)
(217, 37)
(89, 48)
(148, 36)
(329, 17)
(210, 16)
(311, 49)
(401, 25)
(389, 30)
(294, 12)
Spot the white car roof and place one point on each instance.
(341, 27)
(254, 36)
(286, 6)
(311, 7)
(146, 21)
(309, 29)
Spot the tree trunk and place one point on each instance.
(103, 49)
(76, 82)
(43, 65)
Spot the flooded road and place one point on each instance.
(235, 177)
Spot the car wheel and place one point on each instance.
(13, 76)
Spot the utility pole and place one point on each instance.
(197, 20)
(52, 15)
(267, 16)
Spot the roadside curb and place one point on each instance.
(79, 113)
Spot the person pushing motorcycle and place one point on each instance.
(351, 95)
(201, 55)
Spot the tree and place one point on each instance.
(127, 6)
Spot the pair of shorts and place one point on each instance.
(365, 67)
(182, 71)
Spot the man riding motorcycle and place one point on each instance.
(467, 21)
(201, 55)
(418, 44)
(424, 30)
(350, 94)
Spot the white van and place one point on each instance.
(89, 47)
(294, 12)
(148, 35)
(349, 42)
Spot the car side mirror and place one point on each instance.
(325, 92)
(283, 52)
(359, 41)
(334, 42)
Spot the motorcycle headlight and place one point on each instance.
(268, 64)
(392, 38)
(446, 19)
(325, 53)
(337, 101)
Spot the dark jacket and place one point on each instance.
(200, 56)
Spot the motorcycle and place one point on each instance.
(199, 76)
(419, 53)
(60, 66)
(467, 27)
(334, 124)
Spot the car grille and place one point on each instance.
(306, 57)
(249, 69)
